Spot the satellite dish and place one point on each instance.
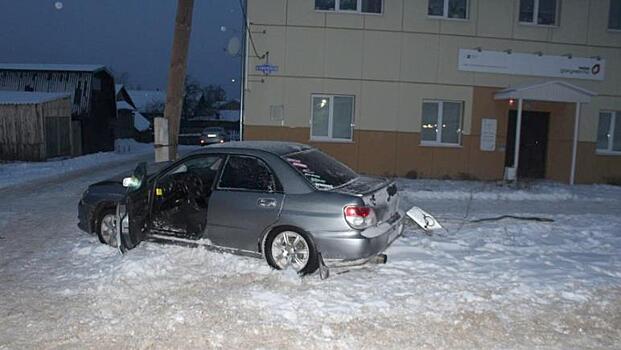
(233, 46)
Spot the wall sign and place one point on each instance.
(267, 68)
(531, 64)
(488, 134)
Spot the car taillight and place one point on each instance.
(359, 217)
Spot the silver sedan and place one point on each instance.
(287, 203)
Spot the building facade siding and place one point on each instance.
(392, 62)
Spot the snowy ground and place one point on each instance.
(16, 173)
(500, 284)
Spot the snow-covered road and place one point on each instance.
(499, 284)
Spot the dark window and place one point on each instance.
(324, 4)
(348, 5)
(360, 6)
(614, 19)
(435, 8)
(538, 11)
(547, 12)
(448, 8)
(323, 171)
(527, 10)
(372, 6)
(247, 173)
(457, 9)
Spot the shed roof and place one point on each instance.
(554, 91)
(123, 105)
(28, 97)
(143, 98)
(53, 67)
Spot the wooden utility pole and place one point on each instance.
(176, 75)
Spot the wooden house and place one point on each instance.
(92, 95)
(35, 126)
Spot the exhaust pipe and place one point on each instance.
(379, 259)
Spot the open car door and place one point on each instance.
(133, 211)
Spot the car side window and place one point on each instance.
(247, 173)
(206, 167)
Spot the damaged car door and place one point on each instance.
(133, 212)
(181, 197)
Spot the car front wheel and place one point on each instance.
(107, 228)
(291, 249)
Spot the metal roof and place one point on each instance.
(53, 67)
(123, 105)
(27, 97)
(553, 91)
(277, 147)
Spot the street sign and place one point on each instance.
(267, 68)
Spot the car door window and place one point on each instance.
(182, 194)
(247, 173)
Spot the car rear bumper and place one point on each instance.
(359, 246)
(211, 140)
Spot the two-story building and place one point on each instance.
(435, 88)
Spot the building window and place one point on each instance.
(441, 122)
(609, 132)
(332, 117)
(448, 8)
(359, 6)
(543, 12)
(614, 16)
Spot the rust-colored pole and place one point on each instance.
(176, 74)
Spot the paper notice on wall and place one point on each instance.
(488, 134)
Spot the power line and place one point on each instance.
(254, 48)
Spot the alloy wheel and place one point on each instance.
(290, 249)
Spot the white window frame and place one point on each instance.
(438, 142)
(337, 8)
(534, 21)
(445, 12)
(330, 138)
(615, 30)
(614, 115)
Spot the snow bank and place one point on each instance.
(492, 191)
(22, 172)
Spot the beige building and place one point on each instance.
(433, 88)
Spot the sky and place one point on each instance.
(132, 36)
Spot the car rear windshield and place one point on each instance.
(323, 171)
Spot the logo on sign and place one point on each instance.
(595, 69)
(267, 68)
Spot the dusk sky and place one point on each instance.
(133, 36)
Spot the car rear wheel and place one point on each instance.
(291, 249)
(107, 228)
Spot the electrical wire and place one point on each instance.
(254, 48)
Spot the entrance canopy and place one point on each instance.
(550, 91)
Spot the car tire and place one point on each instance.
(270, 249)
(104, 225)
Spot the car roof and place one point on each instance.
(278, 148)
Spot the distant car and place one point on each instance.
(213, 135)
(288, 203)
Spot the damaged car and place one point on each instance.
(287, 203)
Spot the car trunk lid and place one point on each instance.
(377, 193)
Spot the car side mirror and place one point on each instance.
(131, 182)
(138, 177)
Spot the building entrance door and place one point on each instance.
(533, 144)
